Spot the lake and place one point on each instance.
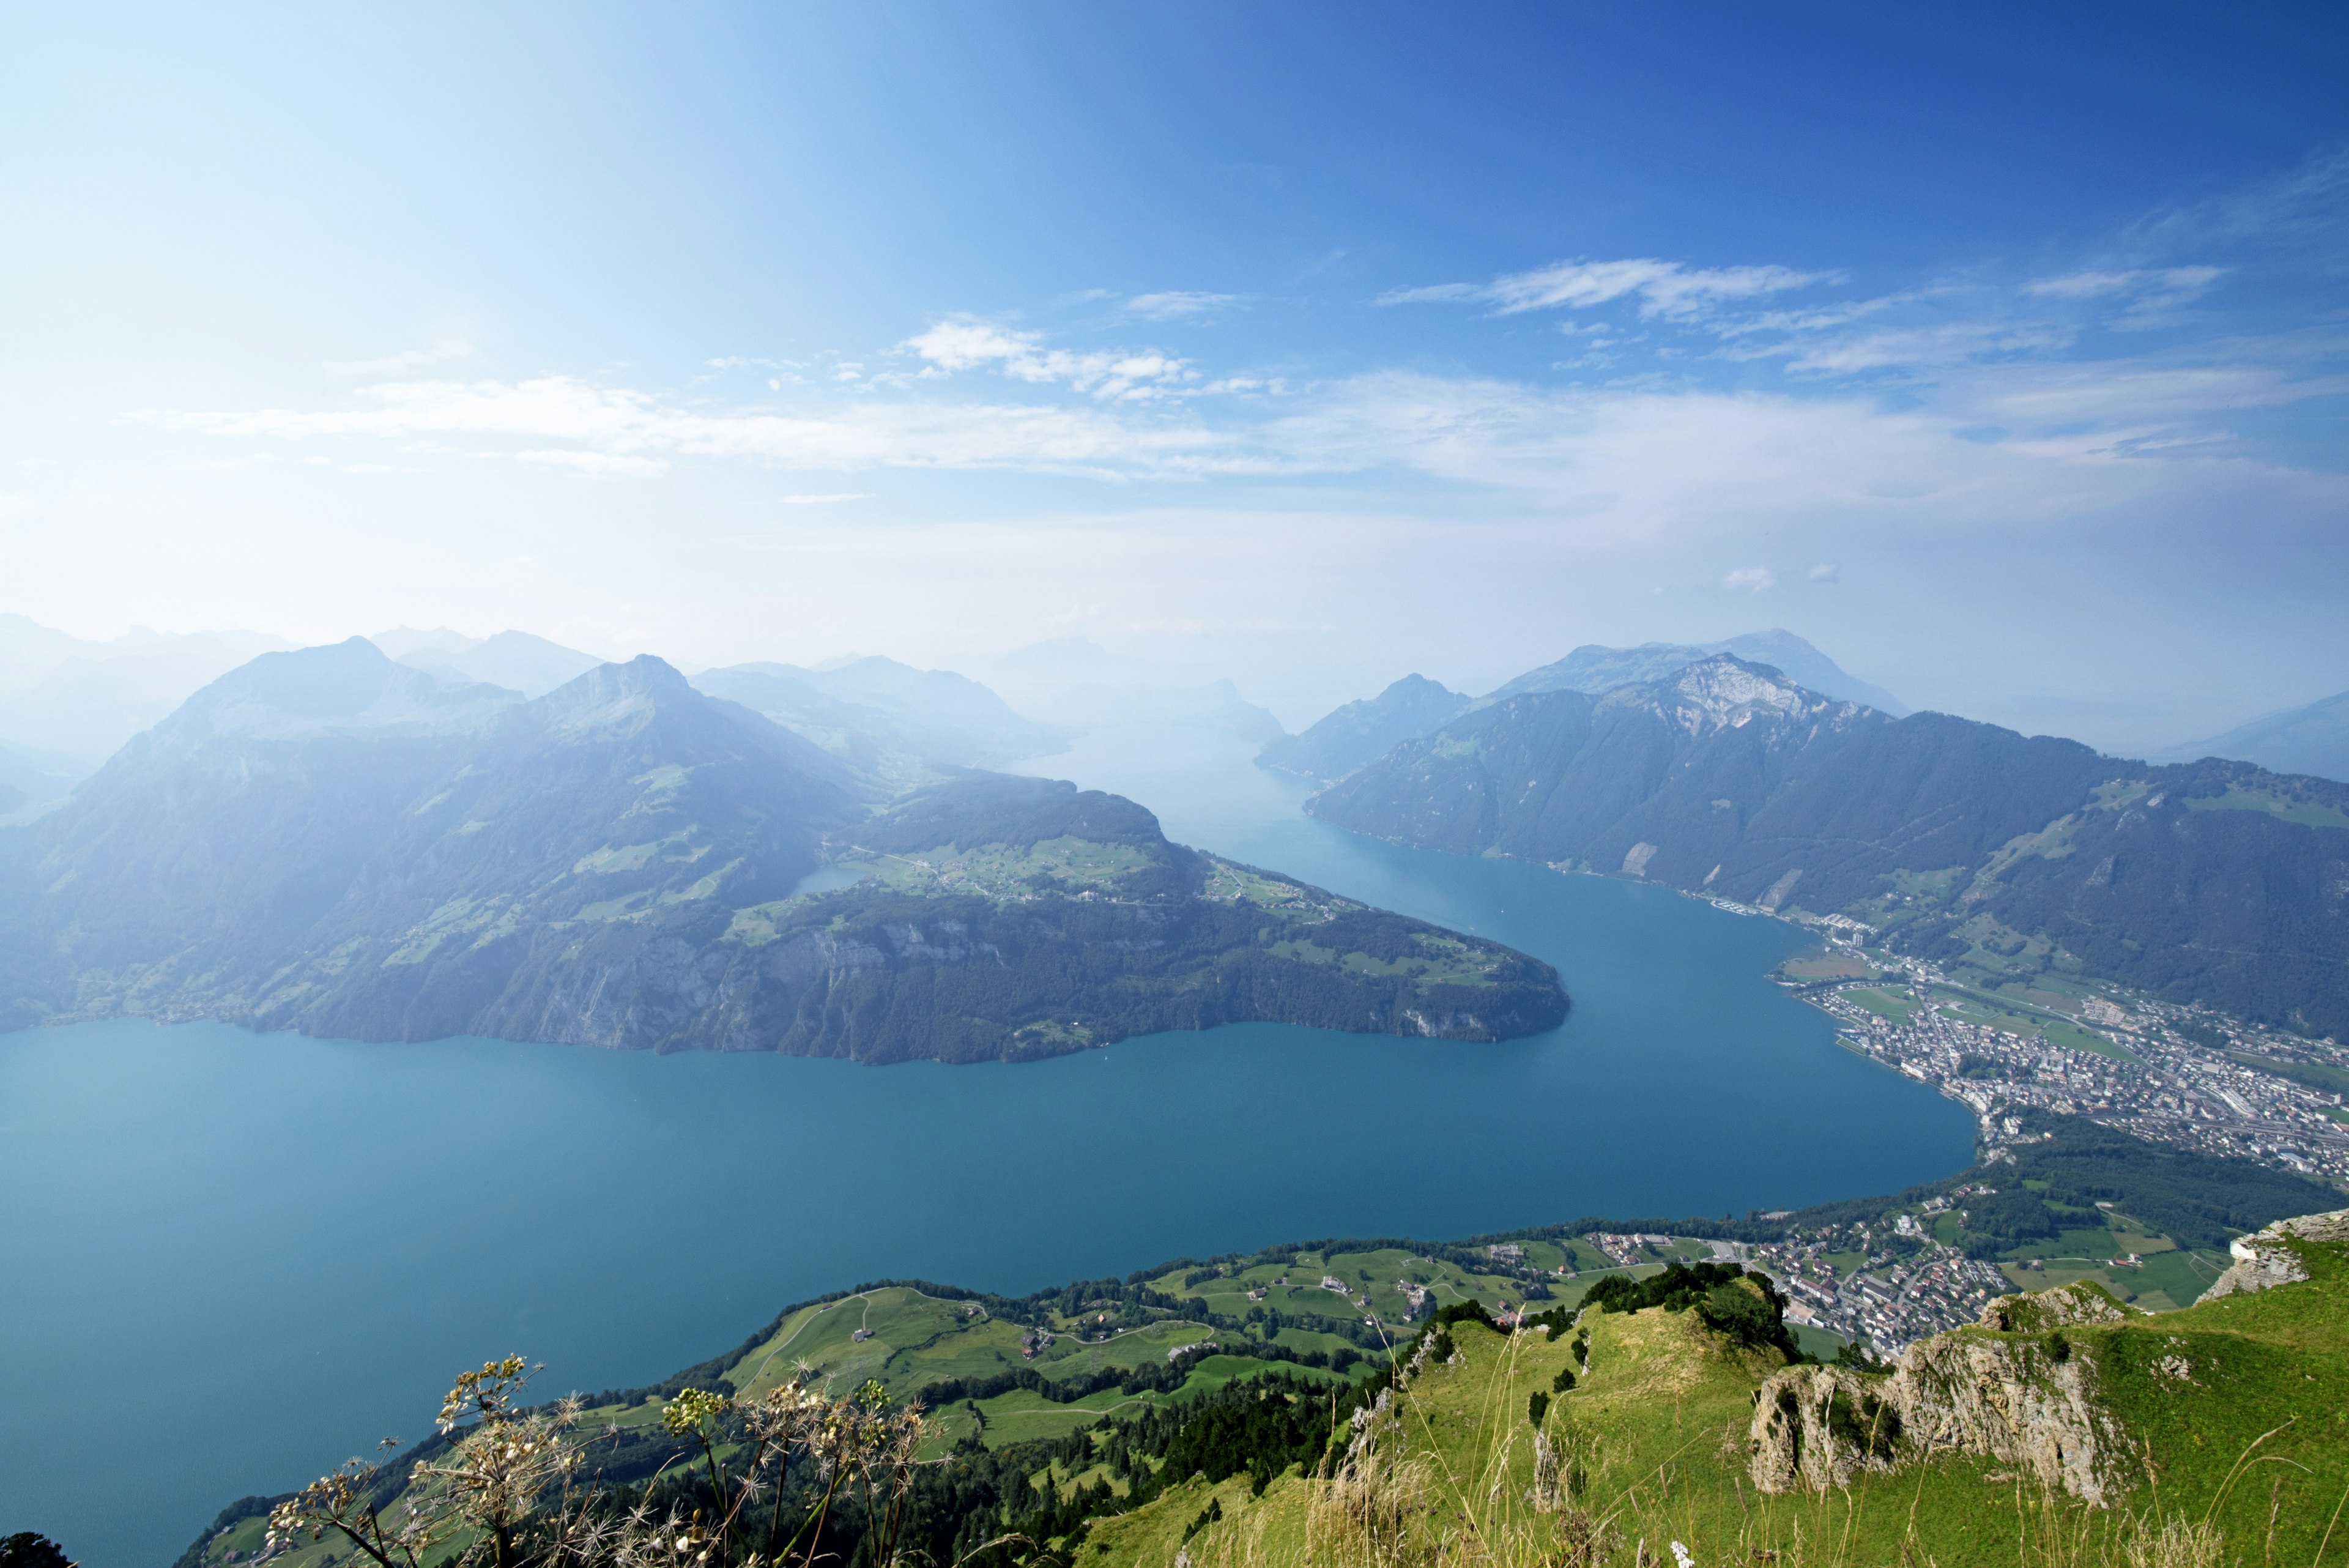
(228, 1262)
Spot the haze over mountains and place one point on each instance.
(1415, 706)
(331, 841)
(514, 660)
(2214, 882)
(895, 725)
(503, 835)
(67, 704)
(2310, 740)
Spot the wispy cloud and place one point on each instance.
(831, 499)
(865, 433)
(402, 363)
(1175, 303)
(1646, 460)
(599, 464)
(1664, 288)
(1750, 580)
(2148, 297)
(2175, 281)
(967, 345)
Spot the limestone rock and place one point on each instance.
(1820, 1425)
(2036, 1313)
(2268, 1259)
(2022, 1401)
(2027, 1402)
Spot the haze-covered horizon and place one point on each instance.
(1999, 355)
(1039, 679)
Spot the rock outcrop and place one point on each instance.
(2037, 1312)
(2027, 1401)
(2268, 1258)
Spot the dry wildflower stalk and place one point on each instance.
(861, 1443)
(495, 1477)
(510, 1467)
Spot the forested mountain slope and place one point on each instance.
(2214, 882)
(331, 842)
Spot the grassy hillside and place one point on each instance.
(1031, 1390)
(2226, 1432)
(1243, 1409)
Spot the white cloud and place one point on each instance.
(966, 345)
(866, 433)
(599, 464)
(1934, 345)
(401, 364)
(833, 499)
(1750, 579)
(1991, 425)
(1824, 572)
(2149, 293)
(1664, 288)
(1174, 303)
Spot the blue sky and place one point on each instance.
(2003, 357)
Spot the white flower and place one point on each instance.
(1680, 1556)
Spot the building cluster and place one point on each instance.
(2207, 1090)
(1893, 1298)
(1626, 1250)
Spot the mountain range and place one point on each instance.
(2310, 740)
(1360, 732)
(1078, 685)
(331, 841)
(1594, 669)
(892, 724)
(67, 703)
(514, 660)
(2213, 882)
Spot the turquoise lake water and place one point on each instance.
(228, 1262)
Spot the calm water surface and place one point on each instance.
(229, 1260)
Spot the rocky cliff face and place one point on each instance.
(2269, 1259)
(2031, 1402)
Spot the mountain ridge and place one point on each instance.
(1357, 734)
(2313, 738)
(2213, 882)
(330, 841)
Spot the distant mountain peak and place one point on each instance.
(2313, 740)
(339, 688)
(615, 696)
(1345, 740)
(1594, 668)
(1725, 691)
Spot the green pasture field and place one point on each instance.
(2014, 1016)
(2311, 1074)
(1886, 1002)
(2307, 813)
